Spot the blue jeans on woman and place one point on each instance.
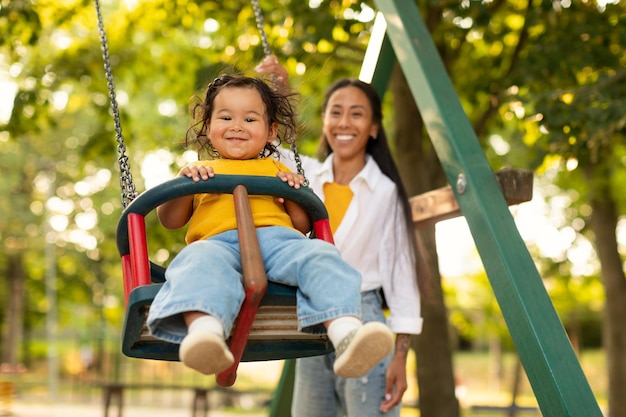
(206, 276)
(318, 392)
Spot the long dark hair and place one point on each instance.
(279, 108)
(377, 147)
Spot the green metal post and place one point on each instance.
(553, 370)
(281, 402)
(384, 67)
(379, 58)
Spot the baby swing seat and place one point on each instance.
(266, 328)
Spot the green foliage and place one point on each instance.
(543, 85)
(59, 149)
(475, 314)
(546, 78)
(578, 96)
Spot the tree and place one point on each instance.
(502, 58)
(512, 62)
(51, 183)
(58, 141)
(579, 106)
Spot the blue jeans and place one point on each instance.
(206, 276)
(318, 392)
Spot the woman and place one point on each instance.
(371, 222)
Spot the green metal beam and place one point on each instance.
(281, 402)
(379, 58)
(384, 68)
(553, 370)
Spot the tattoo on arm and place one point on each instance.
(403, 343)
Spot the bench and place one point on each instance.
(113, 396)
(114, 393)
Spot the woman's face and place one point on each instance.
(348, 122)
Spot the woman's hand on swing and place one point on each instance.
(270, 65)
(196, 172)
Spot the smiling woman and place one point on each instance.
(358, 180)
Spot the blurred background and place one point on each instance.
(542, 82)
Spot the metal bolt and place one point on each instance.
(461, 184)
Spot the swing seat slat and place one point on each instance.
(273, 334)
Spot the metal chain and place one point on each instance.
(260, 24)
(126, 179)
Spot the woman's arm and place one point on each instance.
(402, 295)
(396, 374)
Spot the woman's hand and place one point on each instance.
(396, 374)
(270, 65)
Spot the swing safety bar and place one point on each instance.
(266, 326)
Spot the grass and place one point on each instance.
(482, 380)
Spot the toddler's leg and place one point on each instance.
(358, 346)
(329, 293)
(204, 348)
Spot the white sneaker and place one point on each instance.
(205, 352)
(363, 348)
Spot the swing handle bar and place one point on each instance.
(149, 200)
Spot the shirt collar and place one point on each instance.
(370, 175)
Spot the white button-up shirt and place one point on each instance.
(372, 237)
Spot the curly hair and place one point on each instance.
(279, 109)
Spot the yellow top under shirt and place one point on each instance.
(337, 198)
(213, 214)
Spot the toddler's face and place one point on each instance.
(239, 127)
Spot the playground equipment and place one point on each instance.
(553, 370)
(268, 312)
(549, 360)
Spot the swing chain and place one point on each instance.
(260, 23)
(299, 168)
(126, 179)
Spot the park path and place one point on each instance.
(95, 410)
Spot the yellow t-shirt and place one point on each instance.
(213, 214)
(337, 198)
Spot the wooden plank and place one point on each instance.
(441, 204)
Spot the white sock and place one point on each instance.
(206, 324)
(339, 328)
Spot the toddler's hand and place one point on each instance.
(196, 172)
(291, 178)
